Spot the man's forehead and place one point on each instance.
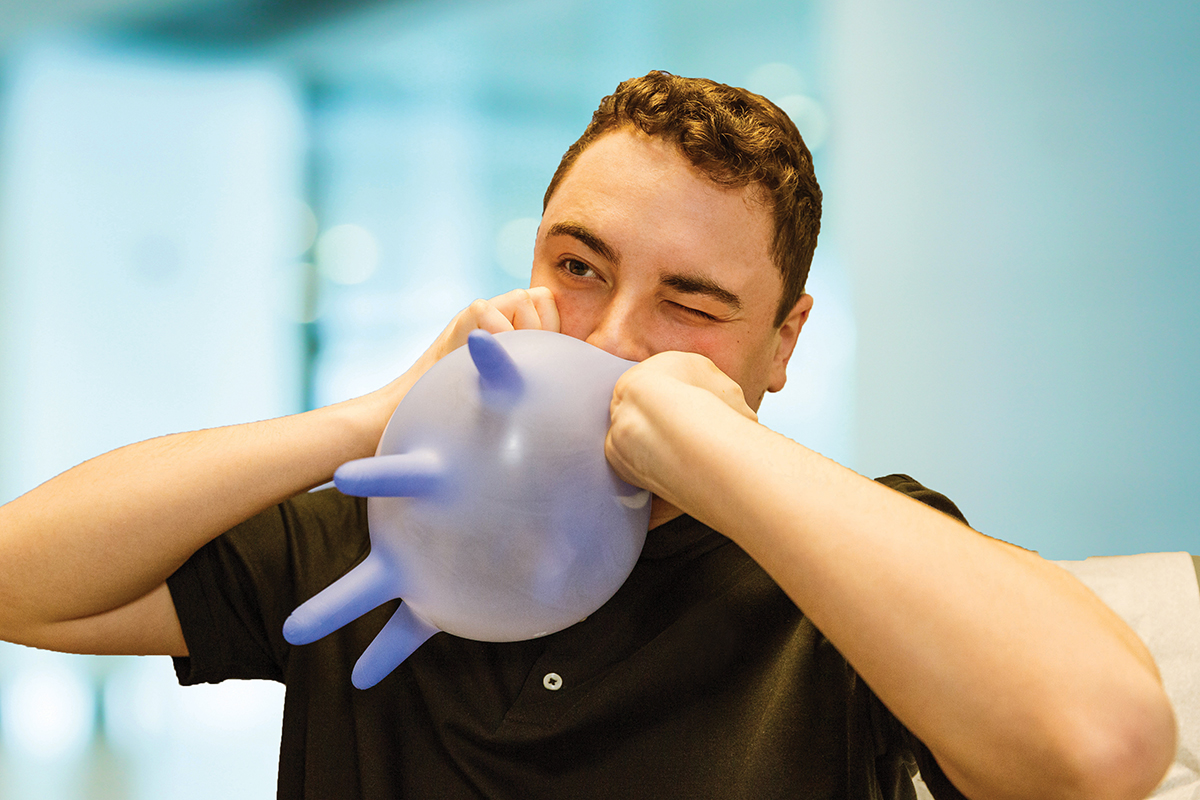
(655, 153)
(666, 154)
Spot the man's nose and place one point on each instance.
(622, 332)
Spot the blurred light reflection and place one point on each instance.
(514, 247)
(347, 254)
(48, 710)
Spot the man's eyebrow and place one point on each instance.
(577, 231)
(680, 282)
(695, 284)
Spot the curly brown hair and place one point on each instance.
(737, 138)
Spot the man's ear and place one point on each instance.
(789, 332)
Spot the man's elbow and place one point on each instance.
(1122, 755)
(1106, 751)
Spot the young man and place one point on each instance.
(791, 630)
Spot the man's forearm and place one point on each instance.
(1018, 679)
(111, 530)
(992, 656)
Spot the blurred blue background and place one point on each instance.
(213, 211)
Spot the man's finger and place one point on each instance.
(489, 318)
(547, 308)
(524, 313)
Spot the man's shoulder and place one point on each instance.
(906, 484)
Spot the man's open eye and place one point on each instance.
(576, 267)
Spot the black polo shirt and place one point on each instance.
(700, 678)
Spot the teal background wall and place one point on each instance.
(1016, 192)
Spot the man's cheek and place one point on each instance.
(575, 317)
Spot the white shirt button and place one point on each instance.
(553, 681)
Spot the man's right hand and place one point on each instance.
(520, 309)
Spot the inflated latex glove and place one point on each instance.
(493, 512)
